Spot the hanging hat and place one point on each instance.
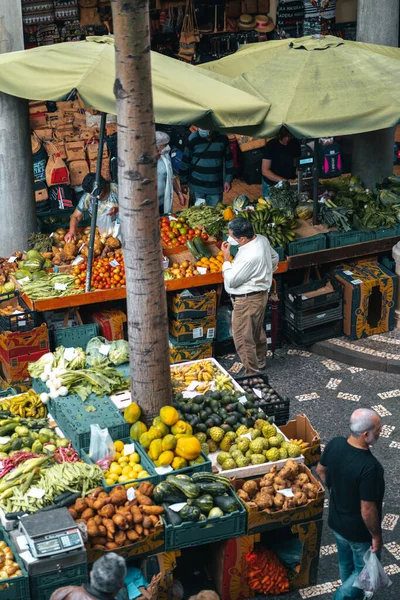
(246, 22)
(264, 24)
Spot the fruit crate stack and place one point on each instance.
(192, 324)
(265, 397)
(314, 311)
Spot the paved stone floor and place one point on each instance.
(328, 392)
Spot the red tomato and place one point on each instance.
(197, 232)
(204, 236)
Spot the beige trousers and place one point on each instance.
(248, 331)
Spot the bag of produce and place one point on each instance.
(373, 577)
(101, 444)
(119, 352)
(97, 351)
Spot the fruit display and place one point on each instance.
(11, 309)
(25, 405)
(264, 494)
(170, 441)
(302, 445)
(32, 267)
(108, 272)
(208, 218)
(272, 223)
(206, 373)
(124, 468)
(175, 232)
(113, 521)
(28, 435)
(266, 395)
(213, 264)
(205, 496)
(181, 270)
(6, 270)
(8, 567)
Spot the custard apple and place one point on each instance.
(283, 452)
(212, 446)
(272, 454)
(243, 444)
(266, 443)
(257, 446)
(257, 459)
(255, 433)
(216, 434)
(274, 441)
(260, 423)
(242, 430)
(222, 457)
(205, 448)
(228, 464)
(236, 454)
(233, 448)
(268, 431)
(249, 453)
(226, 443)
(285, 444)
(243, 461)
(231, 434)
(293, 450)
(280, 438)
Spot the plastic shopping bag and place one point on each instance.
(101, 446)
(373, 577)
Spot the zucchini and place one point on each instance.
(193, 250)
(190, 489)
(201, 247)
(190, 513)
(171, 516)
(204, 503)
(226, 503)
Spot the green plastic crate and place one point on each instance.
(73, 420)
(75, 337)
(189, 534)
(145, 461)
(43, 585)
(306, 245)
(368, 235)
(388, 263)
(385, 232)
(204, 466)
(17, 588)
(337, 239)
(7, 392)
(280, 252)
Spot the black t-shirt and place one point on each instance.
(282, 158)
(353, 475)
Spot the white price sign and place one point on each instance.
(104, 349)
(242, 400)
(60, 286)
(12, 259)
(164, 470)
(128, 449)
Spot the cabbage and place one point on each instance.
(79, 360)
(119, 352)
(36, 369)
(94, 357)
(240, 202)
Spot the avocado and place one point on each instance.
(216, 395)
(231, 420)
(201, 427)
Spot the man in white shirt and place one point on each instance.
(247, 280)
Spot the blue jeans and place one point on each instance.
(350, 555)
(265, 189)
(211, 199)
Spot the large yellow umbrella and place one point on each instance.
(183, 95)
(318, 86)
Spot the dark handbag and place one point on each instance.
(61, 197)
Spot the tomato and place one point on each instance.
(197, 232)
(204, 236)
(191, 231)
(172, 236)
(181, 220)
(190, 236)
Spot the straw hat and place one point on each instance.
(246, 22)
(264, 24)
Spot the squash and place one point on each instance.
(188, 448)
(190, 513)
(228, 214)
(204, 503)
(190, 489)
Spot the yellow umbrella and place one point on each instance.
(318, 86)
(182, 93)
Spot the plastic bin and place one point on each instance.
(385, 232)
(296, 301)
(20, 322)
(75, 337)
(314, 334)
(317, 315)
(189, 534)
(279, 409)
(205, 466)
(309, 244)
(280, 252)
(337, 239)
(15, 588)
(43, 585)
(7, 392)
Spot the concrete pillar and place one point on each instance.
(17, 206)
(377, 23)
(396, 256)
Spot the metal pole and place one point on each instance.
(315, 182)
(95, 196)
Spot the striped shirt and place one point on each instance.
(207, 164)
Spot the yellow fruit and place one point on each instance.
(134, 457)
(137, 429)
(142, 474)
(145, 440)
(113, 476)
(165, 458)
(126, 470)
(109, 481)
(169, 442)
(188, 448)
(123, 478)
(119, 446)
(155, 433)
(155, 449)
(169, 415)
(137, 468)
(129, 485)
(179, 463)
(123, 460)
(115, 468)
(117, 455)
(132, 413)
(162, 427)
(180, 427)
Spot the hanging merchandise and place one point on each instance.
(41, 196)
(56, 171)
(189, 35)
(249, 7)
(61, 197)
(233, 9)
(290, 18)
(35, 13)
(66, 10)
(319, 17)
(39, 159)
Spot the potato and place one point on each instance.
(120, 538)
(80, 505)
(107, 511)
(87, 514)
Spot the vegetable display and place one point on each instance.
(113, 521)
(277, 227)
(266, 574)
(210, 218)
(262, 392)
(176, 232)
(53, 285)
(283, 198)
(31, 435)
(108, 272)
(101, 380)
(27, 404)
(205, 373)
(124, 467)
(8, 567)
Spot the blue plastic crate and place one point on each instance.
(7, 392)
(338, 239)
(385, 232)
(75, 337)
(306, 245)
(280, 252)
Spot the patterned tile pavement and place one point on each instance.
(311, 389)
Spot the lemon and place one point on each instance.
(129, 485)
(123, 478)
(115, 468)
(109, 481)
(119, 446)
(126, 470)
(117, 455)
(137, 469)
(134, 457)
(113, 476)
(123, 459)
(143, 474)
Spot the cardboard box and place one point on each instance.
(192, 304)
(369, 298)
(309, 534)
(19, 386)
(163, 564)
(189, 351)
(300, 428)
(111, 323)
(149, 545)
(17, 368)
(264, 520)
(15, 343)
(192, 330)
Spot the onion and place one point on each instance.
(53, 395)
(44, 398)
(49, 384)
(44, 377)
(63, 390)
(57, 383)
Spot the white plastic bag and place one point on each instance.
(373, 577)
(101, 444)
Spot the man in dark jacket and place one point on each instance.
(106, 580)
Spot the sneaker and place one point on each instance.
(368, 595)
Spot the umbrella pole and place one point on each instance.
(95, 196)
(315, 181)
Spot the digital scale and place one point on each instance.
(50, 533)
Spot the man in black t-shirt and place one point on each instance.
(278, 159)
(355, 480)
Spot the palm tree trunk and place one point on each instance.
(137, 176)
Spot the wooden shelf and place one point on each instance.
(74, 301)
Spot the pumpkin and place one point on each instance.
(228, 214)
(188, 448)
(169, 415)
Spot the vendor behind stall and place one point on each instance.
(107, 212)
(167, 182)
(278, 162)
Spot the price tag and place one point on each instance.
(164, 470)
(303, 297)
(12, 259)
(78, 260)
(104, 349)
(18, 312)
(356, 281)
(247, 435)
(114, 263)
(69, 354)
(22, 542)
(198, 333)
(188, 394)
(211, 333)
(286, 492)
(51, 235)
(348, 272)
(131, 494)
(128, 449)
(178, 506)
(172, 218)
(321, 316)
(35, 492)
(257, 393)
(80, 248)
(23, 280)
(202, 270)
(21, 323)
(27, 557)
(60, 286)
(4, 440)
(192, 385)
(242, 400)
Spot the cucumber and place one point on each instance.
(201, 247)
(192, 248)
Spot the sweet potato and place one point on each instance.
(109, 525)
(107, 511)
(138, 528)
(146, 488)
(120, 538)
(99, 503)
(98, 540)
(88, 514)
(154, 520)
(147, 523)
(94, 493)
(90, 501)
(99, 547)
(97, 519)
(146, 531)
(73, 512)
(102, 530)
(103, 494)
(129, 518)
(132, 535)
(143, 500)
(136, 514)
(80, 505)
(120, 521)
(111, 546)
(118, 496)
(152, 510)
(92, 528)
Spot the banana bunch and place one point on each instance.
(302, 445)
(270, 222)
(25, 405)
(202, 371)
(223, 383)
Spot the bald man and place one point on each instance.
(355, 480)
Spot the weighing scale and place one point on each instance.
(50, 533)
